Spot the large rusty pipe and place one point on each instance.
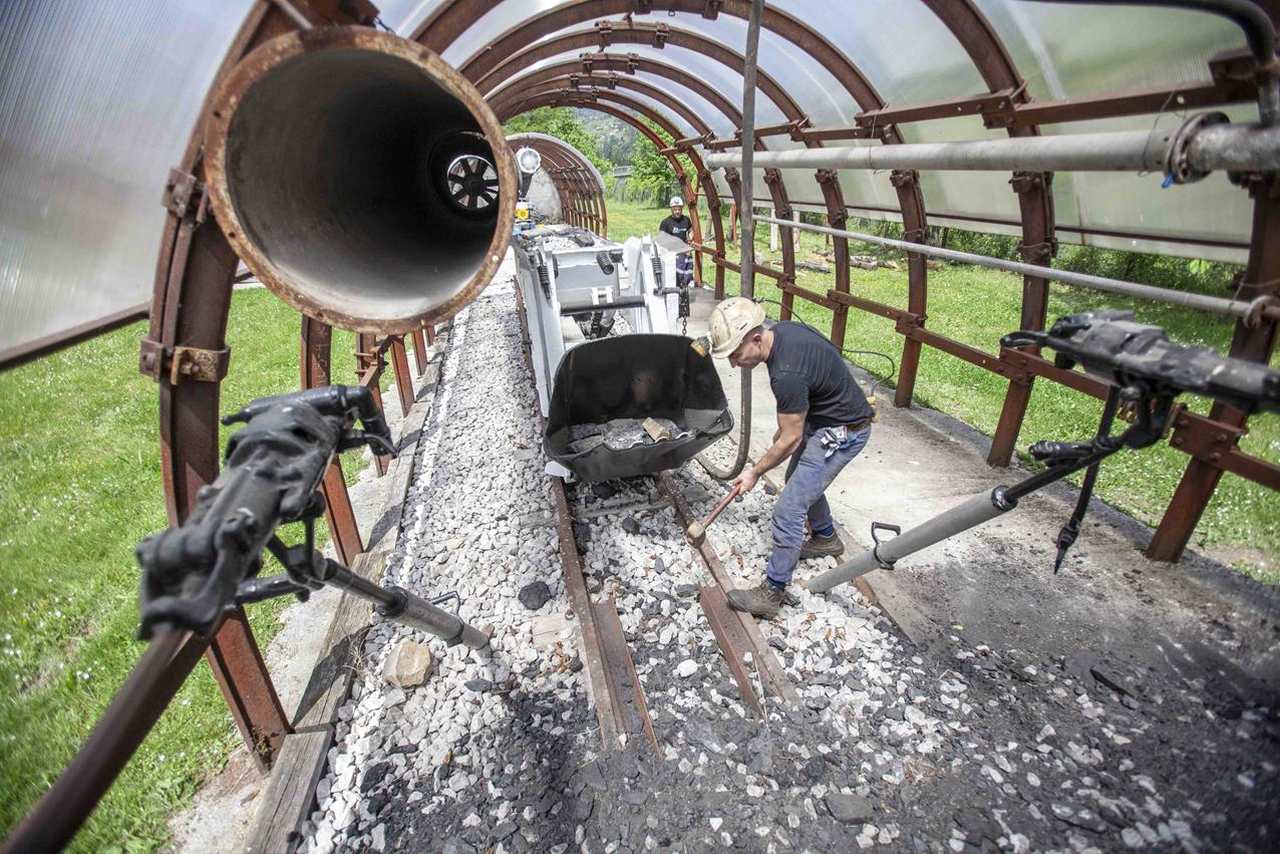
(354, 173)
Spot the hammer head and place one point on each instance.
(696, 532)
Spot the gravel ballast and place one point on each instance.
(890, 747)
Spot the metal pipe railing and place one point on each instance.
(1261, 307)
(1187, 153)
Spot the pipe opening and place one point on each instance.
(363, 181)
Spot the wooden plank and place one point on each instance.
(334, 670)
(291, 792)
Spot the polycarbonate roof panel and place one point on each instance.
(906, 52)
(1072, 51)
(97, 101)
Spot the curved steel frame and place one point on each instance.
(577, 183)
(196, 267)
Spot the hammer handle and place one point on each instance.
(719, 508)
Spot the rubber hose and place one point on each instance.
(748, 236)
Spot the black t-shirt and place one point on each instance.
(808, 374)
(680, 227)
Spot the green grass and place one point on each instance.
(79, 487)
(977, 306)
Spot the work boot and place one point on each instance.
(763, 600)
(820, 546)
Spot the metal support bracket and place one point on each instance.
(184, 195)
(1039, 254)
(1026, 182)
(604, 29)
(798, 127)
(1209, 445)
(711, 9)
(904, 177)
(182, 363)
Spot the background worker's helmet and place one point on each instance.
(731, 320)
(677, 202)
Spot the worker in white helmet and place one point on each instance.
(824, 421)
(680, 226)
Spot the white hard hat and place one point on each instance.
(676, 201)
(731, 320)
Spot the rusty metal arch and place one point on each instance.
(537, 81)
(564, 75)
(581, 194)
(659, 36)
(593, 101)
(1035, 200)
(453, 18)
(650, 35)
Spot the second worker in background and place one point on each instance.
(681, 227)
(824, 421)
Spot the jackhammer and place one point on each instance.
(196, 571)
(1147, 371)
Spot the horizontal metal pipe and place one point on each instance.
(1235, 147)
(1216, 305)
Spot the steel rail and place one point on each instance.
(1217, 305)
(1208, 148)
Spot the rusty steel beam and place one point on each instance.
(1035, 200)
(521, 90)
(404, 379)
(420, 351)
(47, 345)
(149, 688)
(317, 341)
(1138, 102)
(579, 71)
(967, 105)
(369, 367)
(1255, 343)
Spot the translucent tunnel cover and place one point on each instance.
(91, 132)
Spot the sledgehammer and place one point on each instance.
(698, 530)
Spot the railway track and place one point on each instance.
(614, 682)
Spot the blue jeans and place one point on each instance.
(684, 269)
(808, 476)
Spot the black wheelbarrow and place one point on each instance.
(634, 377)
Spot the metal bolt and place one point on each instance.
(1215, 456)
(1177, 440)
